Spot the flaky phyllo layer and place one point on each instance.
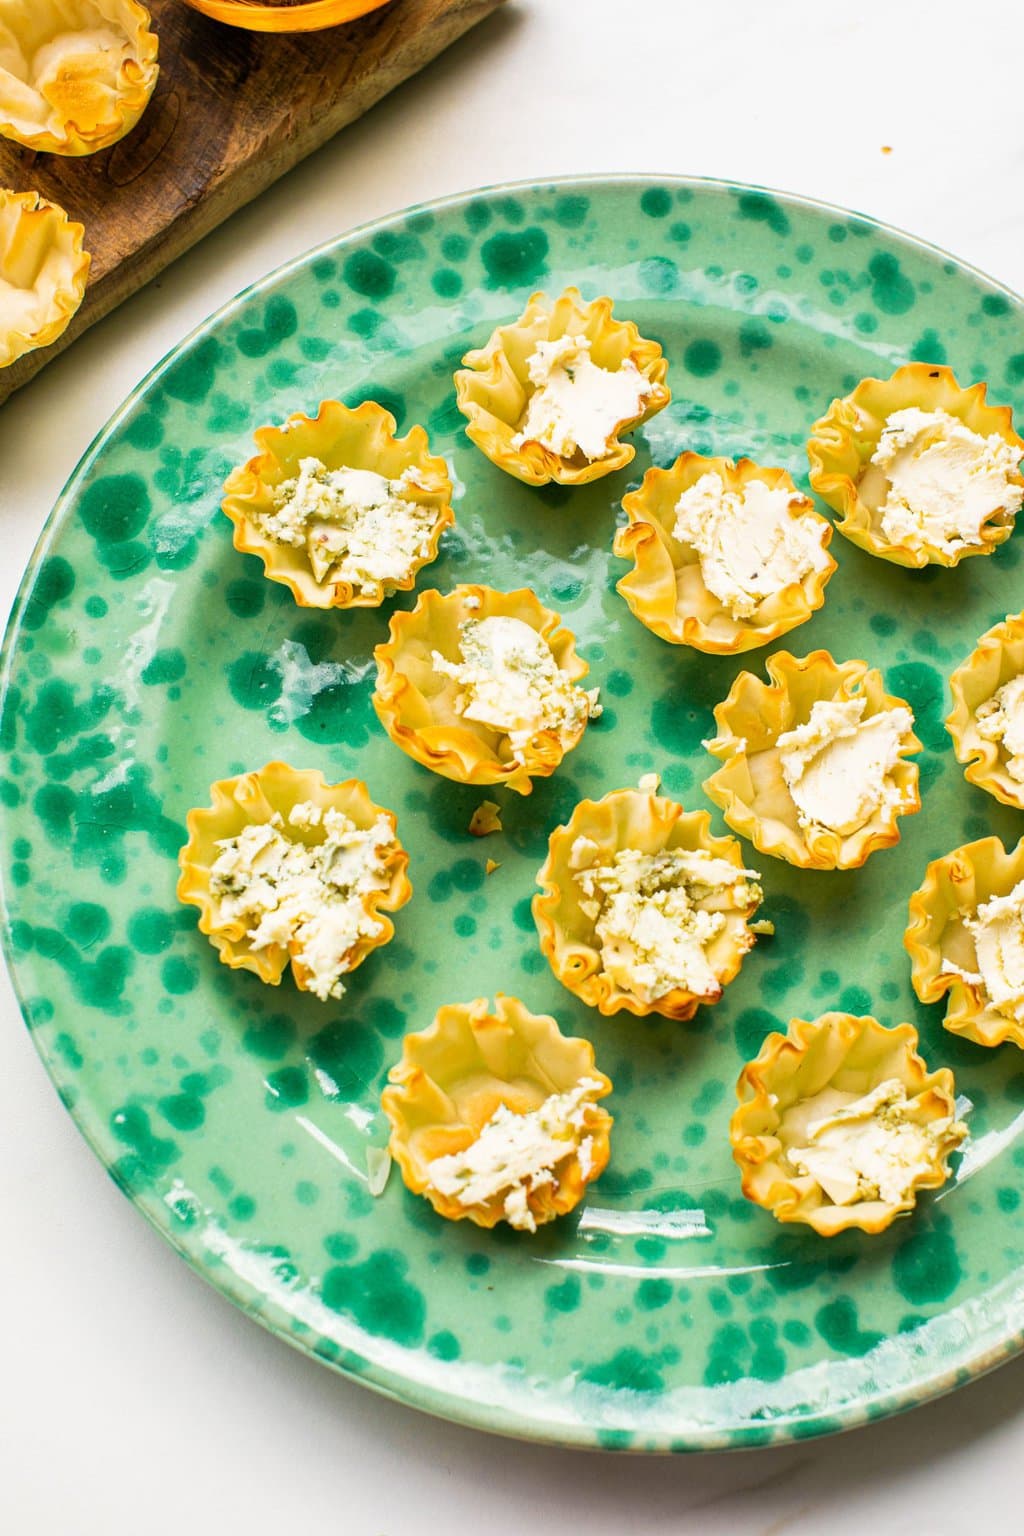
(641, 908)
(987, 719)
(494, 1116)
(480, 686)
(965, 937)
(340, 510)
(550, 394)
(287, 869)
(921, 471)
(814, 761)
(727, 556)
(43, 273)
(75, 75)
(840, 1124)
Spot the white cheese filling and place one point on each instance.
(997, 929)
(510, 681)
(655, 915)
(310, 899)
(944, 480)
(869, 1148)
(751, 543)
(355, 525)
(576, 406)
(516, 1155)
(838, 766)
(1001, 720)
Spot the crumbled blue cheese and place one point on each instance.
(944, 480)
(577, 407)
(751, 543)
(838, 765)
(655, 915)
(517, 1154)
(510, 681)
(309, 898)
(1001, 720)
(870, 1147)
(997, 928)
(355, 526)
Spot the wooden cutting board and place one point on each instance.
(232, 111)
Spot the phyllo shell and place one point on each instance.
(750, 786)
(843, 441)
(416, 704)
(666, 590)
(941, 946)
(75, 75)
(851, 1055)
(629, 819)
(341, 438)
(254, 798)
(997, 658)
(43, 272)
(493, 388)
(455, 1074)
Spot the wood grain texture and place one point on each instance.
(231, 113)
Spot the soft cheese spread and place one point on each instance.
(997, 928)
(869, 1148)
(308, 898)
(655, 914)
(838, 765)
(1001, 720)
(944, 480)
(751, 543)
(510, 681)
(575, 405)
(515, 1155)
(355, 525)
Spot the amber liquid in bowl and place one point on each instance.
(285, 15)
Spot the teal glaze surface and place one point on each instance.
(147, 657)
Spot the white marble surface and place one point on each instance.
(132, 1398)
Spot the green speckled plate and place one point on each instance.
(147, 657)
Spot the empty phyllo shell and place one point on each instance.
(966, 937)
(987, 720)
(814, 768)
(921, 471)
(494, 1116)
(339, 509)
(287, 868)
(549, 395)
(480, 686)
(641, 908)
(726, 556)
(43, 272)
(75, 75)
(840, 1124)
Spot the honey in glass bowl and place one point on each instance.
(285, 15)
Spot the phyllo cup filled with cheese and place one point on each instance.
(495, 1116)
(288, 869)
(340, 510)
(921, 471)
(75, 75)
(814, 767)
(481, 686)
(551, 393)
(841, 1124)
(726, 556)
(641, 909)
(965, 937)
(43, 273)
(987, 720)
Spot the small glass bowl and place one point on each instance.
(312, 16)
